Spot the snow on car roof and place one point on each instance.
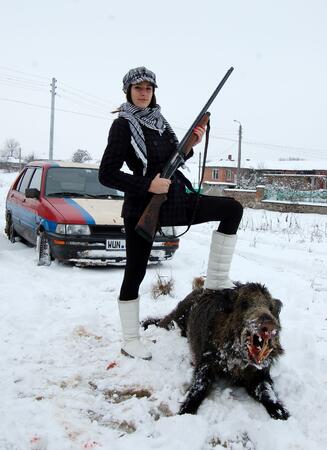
(63, 164)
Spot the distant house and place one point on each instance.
(10, 164)
(296, 173)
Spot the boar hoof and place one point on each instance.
(278, 412)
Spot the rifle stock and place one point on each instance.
(148, 222)
(147, 225)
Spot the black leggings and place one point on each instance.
(224, 209)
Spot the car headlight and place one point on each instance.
(73, 229)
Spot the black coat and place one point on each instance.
(135, 186)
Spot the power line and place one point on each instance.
(84, 102)
(42, 87)
(30, 85)
(24, 103)
(82, 114)
(57, 109)
(25, 81)
(22, 82)
(25, 73)
(22, 86)
(83, 98)
(86, 94)
(289, 147)
(262, 145)
(99, 105)
(108, 118)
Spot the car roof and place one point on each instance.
(47, 163)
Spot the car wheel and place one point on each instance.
(43, 250)
(10, 229)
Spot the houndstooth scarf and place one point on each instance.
(149, 117)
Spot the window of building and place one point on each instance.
(229, 175)
(214, 174)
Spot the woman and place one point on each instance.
(143, 139)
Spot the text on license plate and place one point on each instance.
(115, 244)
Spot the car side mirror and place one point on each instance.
(32, 193)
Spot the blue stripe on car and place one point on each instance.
(25, 216)
(48, 225)
(29, 219)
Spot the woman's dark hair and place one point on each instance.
(129, 97)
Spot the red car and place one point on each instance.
(62, 208)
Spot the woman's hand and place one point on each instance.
(159, 185)
(199, 131)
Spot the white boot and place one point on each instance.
(129, 318)
(220, 258)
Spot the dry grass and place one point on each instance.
(163, 286)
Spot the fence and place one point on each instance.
(257, 199)
(293, 195)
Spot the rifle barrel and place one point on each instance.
(206, 106)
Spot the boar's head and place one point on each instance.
(254, 324)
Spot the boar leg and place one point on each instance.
(263, 391)
(203, 378)
(179, 315)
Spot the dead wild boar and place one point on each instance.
(232, 333)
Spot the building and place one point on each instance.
(10, 164)
(295, 173)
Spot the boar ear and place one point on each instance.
(277, 306)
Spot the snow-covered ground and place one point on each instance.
(65, 385)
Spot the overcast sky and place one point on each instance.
(277, 90)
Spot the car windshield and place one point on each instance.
(77, 182)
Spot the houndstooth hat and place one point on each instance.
(138, 75)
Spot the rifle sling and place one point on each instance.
(189, 185)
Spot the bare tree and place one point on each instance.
(81, 156)
(30, 157)
(11, 148)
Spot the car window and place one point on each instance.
(77, 181)
(20, 180)
(25, 180)
(36, 179)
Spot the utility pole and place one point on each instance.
(238, 172)
(20, 158)
(53, 94)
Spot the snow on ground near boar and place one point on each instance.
(65, 385)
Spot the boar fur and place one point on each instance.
(232, 333)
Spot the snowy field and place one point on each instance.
(65, 385)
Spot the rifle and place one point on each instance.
(147, 224)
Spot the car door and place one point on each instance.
(21, 215)
(33, 205)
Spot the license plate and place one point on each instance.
(115, 244)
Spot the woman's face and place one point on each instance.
(141, 94)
